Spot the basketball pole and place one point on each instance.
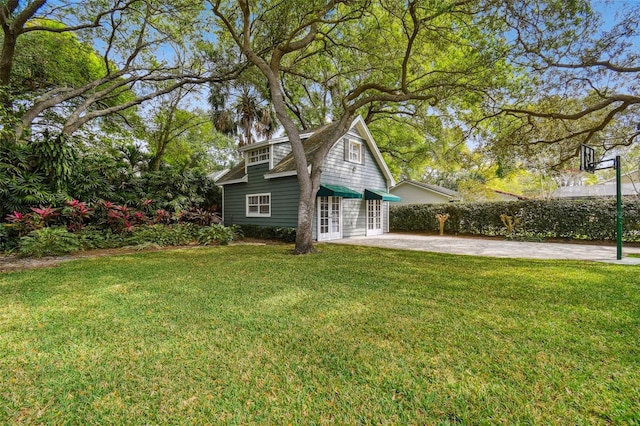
(618, 210)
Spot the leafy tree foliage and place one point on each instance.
(586, 76)
(121, 70)
(337, 59)
(50, 172)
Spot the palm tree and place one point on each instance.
(248, 118)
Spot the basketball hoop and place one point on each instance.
(588, 161)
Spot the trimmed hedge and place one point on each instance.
(537, 219)
(287, 235)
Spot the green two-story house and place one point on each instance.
(352, 199)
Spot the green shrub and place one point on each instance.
(288, 235)
(5, 241)
(163, 235)
(208, 235)
(54, 241)
(92, 238)
(569, 219)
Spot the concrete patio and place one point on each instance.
(497, 247)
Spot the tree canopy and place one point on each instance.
(120, 54)
(585, 71)
(333, 60)
(442, 84)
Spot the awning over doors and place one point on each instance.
(374, 194)
(327, 190)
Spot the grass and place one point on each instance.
(254, 335)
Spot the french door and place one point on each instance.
(374, 217)
(329, 218)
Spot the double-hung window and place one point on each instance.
(259, 155)
(259, 205)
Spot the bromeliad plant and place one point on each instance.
(43, 216)
(77, 213)
(200, 217)
(44, 230)
(39, 217)
(20, 223)
(162, 217)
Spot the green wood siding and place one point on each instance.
(284, 199)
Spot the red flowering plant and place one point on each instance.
(21, 222)
(15, 217)
(44, 215)
(27, 222)
(76, 212)
(139, 218)
(117, 219)
(200, 217)
(162, 217)
(145, 206)
(121, 218)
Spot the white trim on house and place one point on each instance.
(259, 203)
(355, 153)
(269, 154)
(281, 174)
(243, 179)
(375, 217)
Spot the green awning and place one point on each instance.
(337, 191)
(375, 194)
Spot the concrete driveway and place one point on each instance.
(496, 247)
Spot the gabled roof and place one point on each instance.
(236, 173)
(429, 187)
(288, 163)
(217, 174)
(287, 166)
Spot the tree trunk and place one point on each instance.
(6, 60)
(156, 160)
(306, 202)
(304, 232)
(6, 64)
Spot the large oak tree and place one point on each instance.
(335, 59)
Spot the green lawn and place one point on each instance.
(254, 335)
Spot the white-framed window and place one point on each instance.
(259, 205)
(259, 155)
(355, 151)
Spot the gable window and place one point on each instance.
(259, 205)
(354, 151)
(259, 155)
